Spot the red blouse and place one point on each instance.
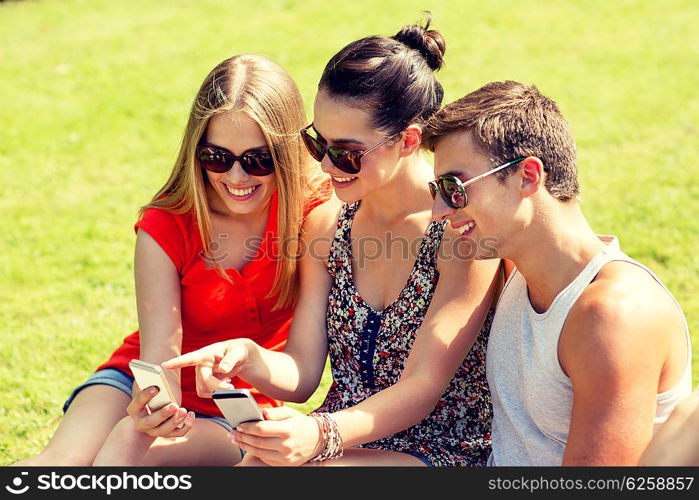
(214, 310)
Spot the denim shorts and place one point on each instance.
(420, 457)
(120, 380)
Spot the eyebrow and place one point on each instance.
(256, 148)
(341, 140)
(455, 173)
(348, 141)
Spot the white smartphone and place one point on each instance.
(238, 406)
(147, 375)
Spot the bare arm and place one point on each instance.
(454, 319)
(293, 374)
(160, 331)
(451, 325)
(677, 441)
(158, 304)
(613, 348)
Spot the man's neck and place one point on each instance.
(553, 252)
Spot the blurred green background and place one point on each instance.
(94, 95)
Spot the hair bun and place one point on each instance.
(429, 43)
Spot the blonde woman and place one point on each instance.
(211, 264)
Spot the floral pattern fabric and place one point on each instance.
(368, 350)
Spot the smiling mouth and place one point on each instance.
(343, 179)
(466, 228)
(241, 192)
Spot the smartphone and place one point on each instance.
(238, 406)
(147, 375)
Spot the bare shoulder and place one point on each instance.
(319, 227)
(623, 318)
(623, 294)
(322, 218)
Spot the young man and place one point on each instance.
(588, 352)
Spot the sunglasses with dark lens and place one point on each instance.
(220, 160)
(453, 190)
(347, 160)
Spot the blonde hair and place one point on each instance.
(266, 92)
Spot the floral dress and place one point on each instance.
(369, 348)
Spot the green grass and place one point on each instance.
(94, 95)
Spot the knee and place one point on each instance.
(125, 435)
(251, 461)
(124, 430)
(63, 458)
(124, 446)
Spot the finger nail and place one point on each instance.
(224, 367)
(153, 389)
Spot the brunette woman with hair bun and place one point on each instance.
(404, 320)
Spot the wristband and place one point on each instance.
(330, 436)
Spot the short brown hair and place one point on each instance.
(509, 120)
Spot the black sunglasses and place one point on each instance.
(347, 160)
(453, 190)
(219, 160)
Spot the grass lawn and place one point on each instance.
(94, 95)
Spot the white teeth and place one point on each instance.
(466, 227)
(240, 192)
(344, 179)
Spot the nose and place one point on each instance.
(326, 165)
(236, 174)
(440, 210)
(329, 168)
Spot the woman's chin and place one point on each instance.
(347, 197)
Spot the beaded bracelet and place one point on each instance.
(330, 435)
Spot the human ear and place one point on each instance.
(531, 171)
(410, 139)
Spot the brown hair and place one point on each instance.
(389, 76)
(509, 120)
(266, 92)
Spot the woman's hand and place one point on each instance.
(216, 364)
(170, 421)
(286, 437)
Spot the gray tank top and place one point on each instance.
(532, 397)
